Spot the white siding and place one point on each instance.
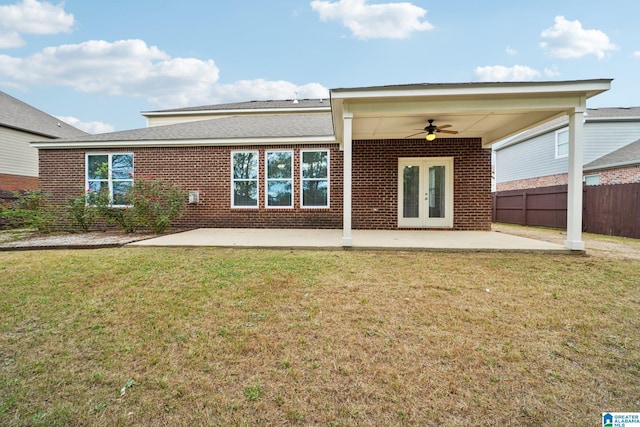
(17, 157)
(602, 138)
(536, 157)
(530, 159)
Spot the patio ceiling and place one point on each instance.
(491, 111)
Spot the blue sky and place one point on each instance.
(98, 63)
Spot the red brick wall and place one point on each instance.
(17, 182)
(541, 181)
(375, 178)
(208, 169)
(626, 175)
(623, 175)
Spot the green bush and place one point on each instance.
(32, 209)
(81, 215)
(151, 203)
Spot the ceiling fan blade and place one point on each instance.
(444, 126)
(414, 134)
(452, 132)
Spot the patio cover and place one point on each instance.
(490, 111)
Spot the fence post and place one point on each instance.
(524, 207)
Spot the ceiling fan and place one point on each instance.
(432, 129)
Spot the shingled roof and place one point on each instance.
(295, 104)
(625, 156)
(18, 115)
(236, 127)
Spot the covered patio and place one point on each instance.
(489, 112)
(323, 239)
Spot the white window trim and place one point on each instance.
(257, 180)
(328, 179)
(591, 175)
(109, 173)
(558, 132)
(267, 179)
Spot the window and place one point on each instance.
(562, 143)
(592, 179)
(314, 172)
(279, 178)
(244, 187)
(112, 173)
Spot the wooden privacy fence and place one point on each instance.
(606, 209)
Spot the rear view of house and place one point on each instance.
(21, 124)
(412, 157)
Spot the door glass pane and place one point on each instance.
(436, 192)
(411, 192)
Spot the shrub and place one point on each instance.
(152, 203)
(32, 209)
(157, 203)
(81, 215)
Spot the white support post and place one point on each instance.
(574, 191)
(347, 239)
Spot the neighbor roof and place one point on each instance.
(625, 156)
(591, 115)
(241, 129)
(18, 115)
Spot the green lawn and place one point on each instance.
(143, 336)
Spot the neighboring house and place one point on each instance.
(539, 157)
(355, 161)
(21, 124)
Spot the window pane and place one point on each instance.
(563, 143)
(314, 164)
(98, 166)
(279, 193)
(122, 166)
(411, 192)
(245, 165)
(314, 193)
(245, 193)
(436, 192)
(279, 164)
(120, 190)
(97, 186)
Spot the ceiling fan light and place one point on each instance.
(431, 136)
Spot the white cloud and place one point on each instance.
(636, 54)
(567, 39)
(511, 51)
(552, 72)
(91, 127)
(32, 17)
(374, 21)
(125, 67)
(500, 73)
(132, 68)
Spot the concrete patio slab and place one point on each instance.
(362, 240)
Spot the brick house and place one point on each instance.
(357, 160)
(539, 157)
(21, 124)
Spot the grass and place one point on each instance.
(164, 336)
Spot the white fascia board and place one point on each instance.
(588, 87)
(187, 142)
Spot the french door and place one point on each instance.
(425, 192)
